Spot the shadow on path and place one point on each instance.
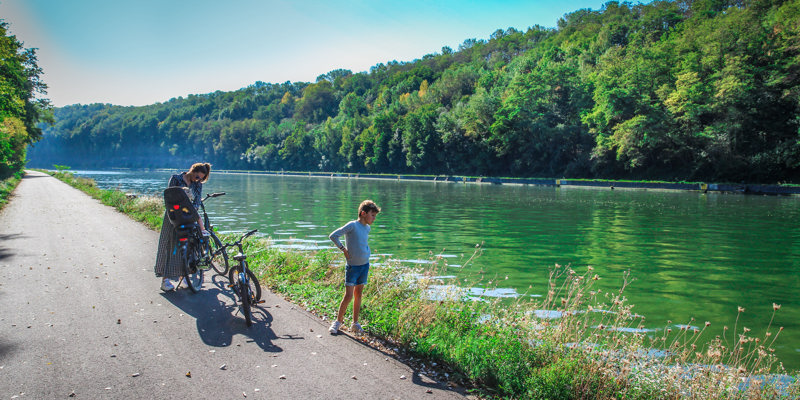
(218, 318)
(4, 251)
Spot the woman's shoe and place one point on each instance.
(166, 285)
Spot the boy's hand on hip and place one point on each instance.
(346, 254)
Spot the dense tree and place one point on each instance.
(677, 90)
(20, 108)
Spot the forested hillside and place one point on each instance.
(676, 90)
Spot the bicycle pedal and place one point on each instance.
(261, 301)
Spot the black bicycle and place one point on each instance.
(191, 242)
(243, 281)
(217, 255)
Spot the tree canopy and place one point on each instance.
(674, 90)
(20, 109)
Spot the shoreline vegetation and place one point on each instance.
(578, 342)
(745, 188)
(740, 188)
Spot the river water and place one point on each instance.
(691, 254)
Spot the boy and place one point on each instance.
(356, 253)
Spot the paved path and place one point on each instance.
(81, 315)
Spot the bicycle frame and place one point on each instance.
(241, 277)
(206, 222)
(217, 249)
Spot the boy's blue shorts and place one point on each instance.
(355, 275)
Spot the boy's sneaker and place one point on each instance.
(334, 329)
(357, 329)
(166, 285)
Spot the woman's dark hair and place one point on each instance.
(201, 167)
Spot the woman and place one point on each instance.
(168, 262)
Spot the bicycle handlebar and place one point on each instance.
(248, 234)
(212, 195)
(239, 242)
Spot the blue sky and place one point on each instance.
(137, 52)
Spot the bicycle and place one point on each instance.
(217, 255)
(243, 281)
(183, 216)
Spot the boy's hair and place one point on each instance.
(368, 206)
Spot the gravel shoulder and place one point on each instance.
(82, 316)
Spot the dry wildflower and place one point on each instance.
(741, 309)
(776, 307)
(746, 329)
(708, 323)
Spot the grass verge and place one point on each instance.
(578, 342)
(7, 186)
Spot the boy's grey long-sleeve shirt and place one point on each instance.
(356, 235)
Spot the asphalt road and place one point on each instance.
(82, 316)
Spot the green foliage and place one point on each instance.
(20, 109)
(7, 186)
(668, 90)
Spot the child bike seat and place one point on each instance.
(180, 209)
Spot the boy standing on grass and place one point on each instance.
(356, 253)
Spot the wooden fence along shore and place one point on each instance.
(697, 186)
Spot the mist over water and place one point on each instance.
(691, 254)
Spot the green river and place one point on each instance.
(690, 254)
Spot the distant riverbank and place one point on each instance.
(743, 188)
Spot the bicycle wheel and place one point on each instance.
(218, 255)
(244, 297)
(192, 275)
(255, 286)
